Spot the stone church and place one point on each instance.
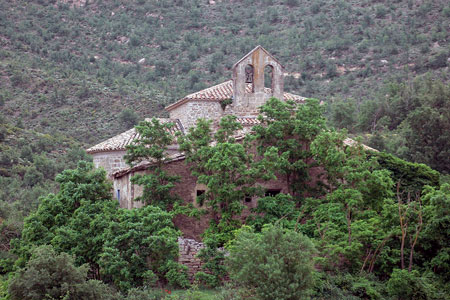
(241, 96)
(256, 77)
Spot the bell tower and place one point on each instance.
(256, 77)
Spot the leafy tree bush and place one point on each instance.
(152, 147)
(73, 220)
(406, 285)
(284, 126)
(437, 230)
(128, 117)
(343, 114)
(227, 168)
(49, 275)
(276, 263)
(140, 248)
(213, 270)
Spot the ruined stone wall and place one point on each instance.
(190, 112)
(188, 250)
(111, 161)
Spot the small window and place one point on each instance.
(200, 197)
(247, 199)
(272, 192)
(118, 195)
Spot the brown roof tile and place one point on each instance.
(224, 91)
(120, 141)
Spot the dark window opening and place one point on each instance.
(118, 195)
(249, 77)
(248, 199)
(268, 77)
(200, 197)
(272, 192)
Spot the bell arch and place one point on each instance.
(250, 81)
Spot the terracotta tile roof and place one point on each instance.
(120, 141)
(224, 91)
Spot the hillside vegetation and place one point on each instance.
(73, 66)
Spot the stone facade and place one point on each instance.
(191, 111)
(111, 161)
(125, 192)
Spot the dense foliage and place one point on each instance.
(49, 275)
(376, 222)
(409, 119)
(151, 149)
(128, 248)
(274, 264)
(140, 248)
(367, 216)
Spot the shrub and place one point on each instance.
(213, 270)
(406, 285)
(276, 263)
(145, 294)
(177, 275)
(49, 275)
(139, 245)
(129, 117)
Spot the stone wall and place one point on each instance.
(125, 192)
(190, 112)
(188, 250)
(111, 161)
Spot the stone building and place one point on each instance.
(255, 78)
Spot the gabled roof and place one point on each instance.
(259, 47)
(224, 91)
(120, 141)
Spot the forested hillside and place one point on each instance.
(75, 72)
(74, 66)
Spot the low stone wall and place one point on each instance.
(188, 249)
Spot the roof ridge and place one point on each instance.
(121, 140)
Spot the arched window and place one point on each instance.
(249, 77)
(268, 77)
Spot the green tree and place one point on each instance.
(343, 114)
(404, 285)
(73, 219)
(436, 231)
(284, 127)
(227, 168)
(52, 275)
(140, 247)
(347, 221)
(151, 148)
(128, 117)
(275, 264)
